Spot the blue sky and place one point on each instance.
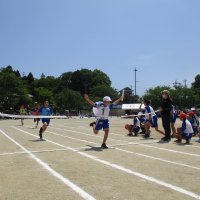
(159, 37)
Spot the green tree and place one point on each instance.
(100, 78)
(154, 94)
(13, 90)
(98, 92)
(42, 94)
(69, 100)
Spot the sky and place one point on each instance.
(161, 38)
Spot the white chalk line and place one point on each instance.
(121, 135)
(90, 135)
(80, 140)
(170, 150)
(164, 149)
(126, 170)
(67, 182)
(22, 152)
(130, 152)
(159, 159)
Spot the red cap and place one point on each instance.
(183, 116)
(191, 113)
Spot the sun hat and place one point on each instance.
(165, 92)
(107, 98)
(183, 116)
(191, 113)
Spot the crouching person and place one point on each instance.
(185, 131)
(133, 128)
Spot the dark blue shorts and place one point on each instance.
(187, 136)
(154, 122)
(46, 121)
(136, 129)
(102, 124)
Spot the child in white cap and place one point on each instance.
(101, 111)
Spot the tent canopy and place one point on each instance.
(135, 106)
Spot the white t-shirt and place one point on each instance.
(149, 110)
(101, 111)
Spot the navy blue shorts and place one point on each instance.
(136, 129)
(102, 124)
(187, 136)
(154, 122)
(47, 121)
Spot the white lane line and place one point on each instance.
(159, 159)
(80, 140)
(126, 170)
(90, 135)
(130, 152)
(22, 152)
(170, 150)
(67, 182)
(118, 134)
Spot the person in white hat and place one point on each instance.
(101, 111)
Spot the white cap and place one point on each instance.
(192, 109)
(107, 98)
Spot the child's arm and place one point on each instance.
(118, 100)
(88, 100)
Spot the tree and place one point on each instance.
(64, 81)
(42, 94)
(81, 80)
(69, 100)
(154, 94)
(13, 90)
(196, 83)
(100, 78)
(98, 92)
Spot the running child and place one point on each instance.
(101, 111)
(36, 112)
(185, 131)
(45, 110)
(22, 111)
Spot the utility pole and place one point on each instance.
(185, 83)
(135, 70)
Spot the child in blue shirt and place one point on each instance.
(45, 110)
(133, 128)
(185, 131)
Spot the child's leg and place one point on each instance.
(106, 131)
(178, 134)
(37, 123)
(159, 131)
(173, 128)
(147, 127)
(94, 129)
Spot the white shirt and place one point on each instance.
(101, 111)
(149, 110)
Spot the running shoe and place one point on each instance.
(103, 146)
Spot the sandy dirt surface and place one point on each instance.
(70, 165)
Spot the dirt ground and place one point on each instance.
(70, 165)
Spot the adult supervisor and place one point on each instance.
(166, 108)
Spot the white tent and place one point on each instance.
(135, 106)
